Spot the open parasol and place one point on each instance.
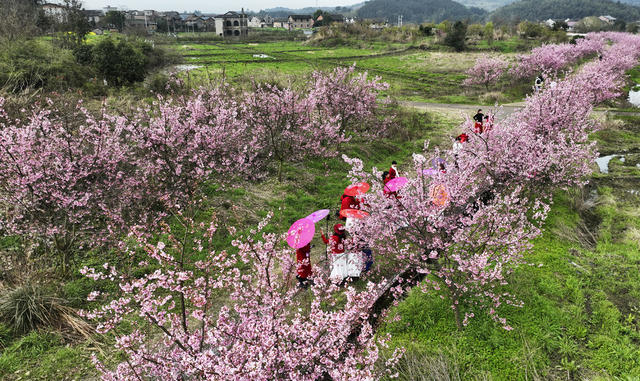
(301, 233)
(356, 189)
(318, 215)
(353, 213)
(396, 184)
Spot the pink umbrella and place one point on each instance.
(396, 184)
(301, 233)
(429, 172)
(356, 189)
(318, 215)
(353, 213)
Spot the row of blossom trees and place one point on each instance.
(73, 179)
(547, 59)
(498, 190)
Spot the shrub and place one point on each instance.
(37, 64)
(29, 307)
(119, 63)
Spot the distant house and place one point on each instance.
(607, 19)
(195, 23)
(232, 24)
(108, 9)
(142, 20)
(300, 21)
(93, 16)
(281, 23)
(256, 22)
(55, 11)
(550, 23)
(571, 25)
(173, 19)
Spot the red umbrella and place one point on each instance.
(353, 213)
(318, 215)
(301, 233)
(356, 189)
(396, 184)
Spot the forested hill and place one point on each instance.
(534, 10)
(418, 11)
(491, 5)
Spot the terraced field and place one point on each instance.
(413, 73)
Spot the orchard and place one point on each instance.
(200, 310)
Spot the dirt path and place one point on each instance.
(505, 110)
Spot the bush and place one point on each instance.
(83, 54)
(34, 64)
(119, 63)
(29, 307)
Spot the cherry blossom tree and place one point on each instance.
(265, 331)
(353, 98)
(486, 71)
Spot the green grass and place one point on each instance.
(44, 356)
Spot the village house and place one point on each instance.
(256, 22)
(300, 21)
(173, 19)
(232, 24)
(280, 23)
(608, 19)
(195, 23)
(55, 11)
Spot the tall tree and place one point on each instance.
(20, 18)
(456, 36)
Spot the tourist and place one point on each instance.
(340, 266)
(303, 260)
(393, 171)
(538, 83)
(478, 118)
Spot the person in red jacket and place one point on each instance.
(335, 242)
(303, 260)
(339, 259)
(348, 202)
(393, 171)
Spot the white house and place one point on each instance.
(55, 11)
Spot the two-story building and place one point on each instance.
(56, 12)
(300, 21)
(232, 24)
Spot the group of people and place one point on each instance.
(482, 123)
(344, 265)
(351, 264)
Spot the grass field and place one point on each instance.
(414, 72)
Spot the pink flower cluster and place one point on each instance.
(551, 58)
(486, 71)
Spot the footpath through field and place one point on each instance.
(503, 110)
